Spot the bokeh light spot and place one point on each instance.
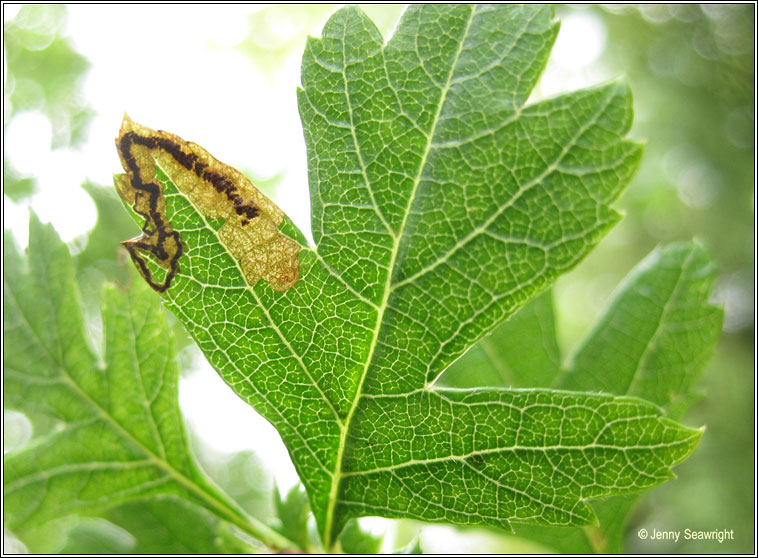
(580, 42)
(27, 141)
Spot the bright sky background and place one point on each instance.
(182, 73)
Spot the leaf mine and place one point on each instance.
(251, 229)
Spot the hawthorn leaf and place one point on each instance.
(152, 526)
(656, 335)
(440, 205)
(292, 512)
(117, 435)
(355, 541)
(652, 341)
(175, 526)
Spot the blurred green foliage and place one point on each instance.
(292, 512)
(157, 526)
(244, 477)
(44, 73)
(691, 69)
(277, 33)
(355, 540)
(489, 362)
(15, 186)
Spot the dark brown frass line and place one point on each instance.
(154, 221)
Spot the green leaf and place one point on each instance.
(657, 334)
(80, 535)
(413, 547)
(441, 205)
(354, 540)
(14, 186)
(154, 526)
(293, 512)
(97, 536)
(174, 526)
(521, 352)
(119, 436)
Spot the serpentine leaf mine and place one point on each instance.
(251, 229)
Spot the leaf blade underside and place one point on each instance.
(440, 206)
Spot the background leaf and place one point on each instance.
(653, 341)
(355, 540)
(154, 526)
(293, 511)
(521, 352)
(174, 526)
(657, 333)
(118, 434)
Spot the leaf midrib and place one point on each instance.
(652, 344)
(519, 448)
(390, 287)
(145, 400)
(396, 239)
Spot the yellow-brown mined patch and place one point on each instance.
(251, 228)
